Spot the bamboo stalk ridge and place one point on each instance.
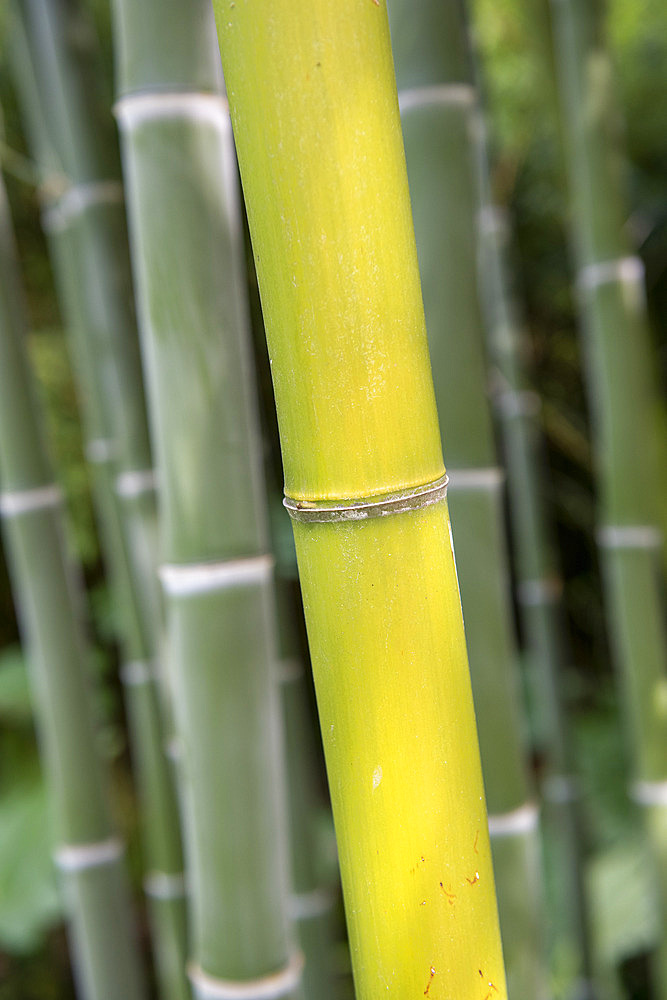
(624, 407)
(88, 852)
(438, 102)
(538, 582)
(84, 221)
(313, 103)
(217, 575)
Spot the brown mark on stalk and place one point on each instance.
(474, 880)
(376, 2)
(474, 846)
(451, 897)
(494, 989)
(432, 971)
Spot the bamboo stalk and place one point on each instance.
(624, 406)
(438, 103)
(217, 575)
(88, 852)
(84, 219)
(313, 103)
(538, 583)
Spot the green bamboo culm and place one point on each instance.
(538, 583)
(217, 574)
(88, 853)
(622, 392)
(84, 220)
(313, 102)
(438, 100)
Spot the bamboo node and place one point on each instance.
(627, 270)
(16, 502)
(360, 510)
(136, 482)
(165, 885)
(137, 672)
(489, 478)
(277, 984)
(308, 905)
(78, 198)
(190, 579)
(462, 95)
(649, 793)
(546, 590)
(101, 450)
(630, 536)
(77, 857)
(135, 109)
(522, 820)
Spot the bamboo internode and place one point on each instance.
(315, 115)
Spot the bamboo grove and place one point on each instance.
(278, 239)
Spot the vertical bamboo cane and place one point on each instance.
(217, 577)
(624, 407)
(84, 219)
(88, 853)
(313, 103)
(438, 101)
(539, 586)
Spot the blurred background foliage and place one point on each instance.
(512, 40)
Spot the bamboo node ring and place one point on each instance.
(307, 905)
(136, 482)
(277, 984)
(16, 502)
(135, 109)
(649, 793)
(462, 95)
(630, 536)
(360, 510)
(165, 885)
(627, 270)
(77, 857)
(137, 672)
(189, 579)
(512, 824)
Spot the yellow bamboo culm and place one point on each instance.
(315, 114)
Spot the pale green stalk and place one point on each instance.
(610, 288)
(84, 218)
(88, 852)
(217, 576)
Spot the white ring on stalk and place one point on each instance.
(165, 885)
(135, 109)
(101, 450)
(277, 984)
(649, 793)
(306, 905)
(456, 94)
(360, 510)
(137, 672)
(521, 403)
(536, 592)
(490, 478)
(492, 220)
(561, 788)
(16, 502)
(136, 482)
(199, 578)
(77, 857)
(628, 270)
(522, 820)
(80, 197)
(630, 536)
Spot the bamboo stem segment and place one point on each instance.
(105, 955)
(313, 103)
